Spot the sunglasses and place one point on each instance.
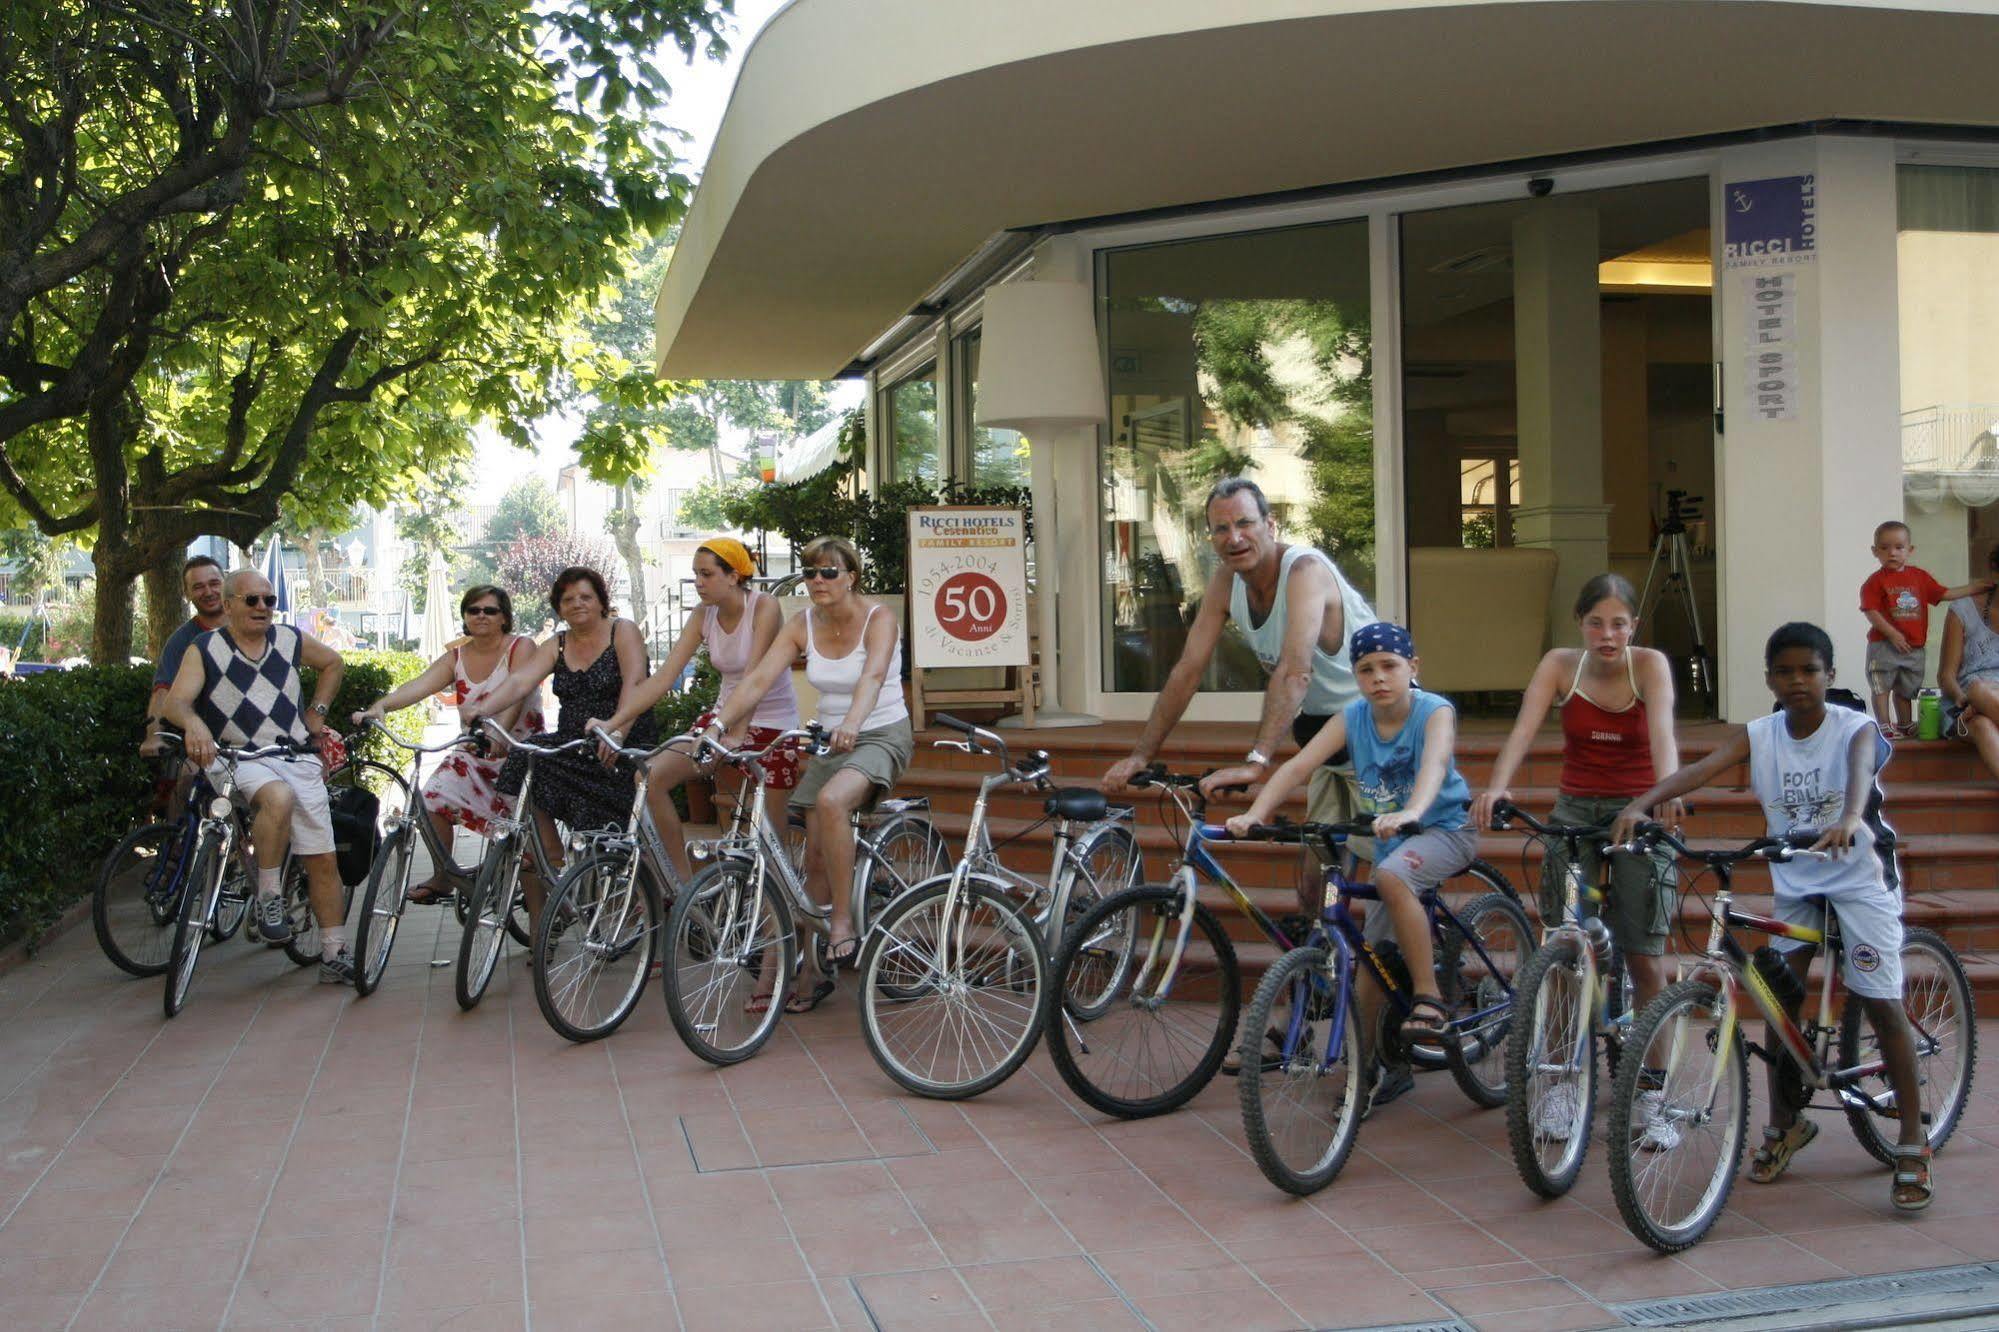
(253, 600)
(483, 610)
(826, 571)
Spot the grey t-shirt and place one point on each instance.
(176, 648)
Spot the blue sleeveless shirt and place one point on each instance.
(1385, 768)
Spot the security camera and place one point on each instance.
(1541, 186)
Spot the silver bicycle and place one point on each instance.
(742, 913)
(953, 973)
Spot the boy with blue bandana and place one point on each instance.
(1401, 739)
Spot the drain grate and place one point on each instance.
(1862, 1301)
(1448, 1325)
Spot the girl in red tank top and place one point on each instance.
(1616, 702)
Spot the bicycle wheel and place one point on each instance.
(232, 907)
(135, 905)
(1477, 986)
(1678, 1117)
(382, 908)
(197, 904)
(485, 933)
(720, 936)
(951, 996)
(303, 947)
(1105, 862)
(1937, 998)
(1460, 890)
(1157, 1041)
(1551, 1068)
(593, 949)
(1301, 1114)
(900, 852)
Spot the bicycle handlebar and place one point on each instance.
(1506, 812)
(1790, 846)
(812, 733)
(565, 747)
(238, 754)
(462, 738)
(1282, 829)
(978, 740)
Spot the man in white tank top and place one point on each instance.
(1297, 612)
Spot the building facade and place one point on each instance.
(1711, 286)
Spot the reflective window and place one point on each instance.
(915, 444)
(1237, 355)
(999, 457)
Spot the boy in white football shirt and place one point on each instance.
(1812, 769)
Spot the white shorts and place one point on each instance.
(1870, 925)
(312, 821)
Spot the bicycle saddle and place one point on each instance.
(900, 804)
(1083, 804)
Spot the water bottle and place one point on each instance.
(1777, 974)
(1929, 715)
(1599, 939)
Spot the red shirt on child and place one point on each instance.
(1904, 597)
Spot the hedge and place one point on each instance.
(73, 783)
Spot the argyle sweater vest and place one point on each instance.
(246, 703)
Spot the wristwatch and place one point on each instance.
(319, 709)
(1258, 757)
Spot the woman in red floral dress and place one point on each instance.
(461, 792)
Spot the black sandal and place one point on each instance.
(805, 1003)
(1428, 1024)
(431, 894)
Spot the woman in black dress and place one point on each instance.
(597, 659)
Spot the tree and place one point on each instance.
(38, 564)
(528, 567)
(228, 276)
(529, 508)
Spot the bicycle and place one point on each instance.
(1167, 1005)
(952, 973)
(606, 911)
(495, 907)
(742, 912)
(1690, 1049)
(389, 875)
(1573, 992)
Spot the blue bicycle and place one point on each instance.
(137, 898)
(1305, 1071)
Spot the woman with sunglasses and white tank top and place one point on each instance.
(852, 647)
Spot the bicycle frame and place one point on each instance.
(413, 813)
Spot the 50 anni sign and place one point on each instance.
(968, 587)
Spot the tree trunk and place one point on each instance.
(111, 626)
(165, 610)
(624, 525)
(317, 593)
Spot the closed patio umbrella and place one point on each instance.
(437, 627)
(273, 569)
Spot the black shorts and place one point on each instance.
(1308, 724)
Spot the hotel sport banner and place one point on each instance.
(967, 587)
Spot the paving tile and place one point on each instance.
(1748, 1263)
(462, 1283)
(1039, 1284)
(1507, 1296)
(1429, 1248)
(607, 1313)
(155, 1308)
(1887, 1246)
(785, 1306)
(1179, 1269)
(1248, 1310)
(711, 1264)
(1581, 1317)
(904, 1297)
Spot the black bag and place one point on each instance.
(355, 833)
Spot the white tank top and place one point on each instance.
(1801, 785)
(836, 679)
(1332, 686)
(732, 654)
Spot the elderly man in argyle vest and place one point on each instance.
(239, 684)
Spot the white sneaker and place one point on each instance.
(1555, 1116)
(1661, 1133)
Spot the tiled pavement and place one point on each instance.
(285, 1154)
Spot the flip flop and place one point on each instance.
(758, 1005)
(1769, 1162)
(845, 953)
(431, 894)
(1912, 1171)
(805, 1003)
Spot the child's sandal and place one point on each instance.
(1913, 1188)
(1773, 1158)
(1428, 1024)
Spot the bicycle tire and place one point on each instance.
(1290, 1000)
(1082, 886)
(1950, 1003)
(719, 937)
(484, 938)
(1216, 988)
(303, 947)
(571, 951)
(128, 922)
(900, 852)
(1552, 1014)
(1477, 1059)
(1485, 878)
(191, 925)
(1705, 1064)
(232, 908)
(984, 1006)
(382, 910)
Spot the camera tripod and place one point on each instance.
(1671, 549)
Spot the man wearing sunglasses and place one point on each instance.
(240, 684)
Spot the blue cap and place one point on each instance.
(1381, 636)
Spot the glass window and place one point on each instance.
(1948, 280)
(914, 442)
(1236, 355)
(999, 456)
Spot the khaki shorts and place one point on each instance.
(1892, 672)
(881, 755)
(312, 820)
(1333, 796)
(1644, 891)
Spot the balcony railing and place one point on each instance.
(1953, 438)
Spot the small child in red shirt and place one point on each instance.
(1896, 599)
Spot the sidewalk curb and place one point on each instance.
(17, 954)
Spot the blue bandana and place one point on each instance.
(1381, 636)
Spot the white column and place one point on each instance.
(1800, 494)
(1558, 370)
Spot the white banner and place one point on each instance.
(967, 578)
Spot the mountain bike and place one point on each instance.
(1165, 1006)
(952, 974)
(743, 912)
(1685, 1069)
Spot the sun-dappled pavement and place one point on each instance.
(285, 1154)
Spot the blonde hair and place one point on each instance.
(817, 548)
